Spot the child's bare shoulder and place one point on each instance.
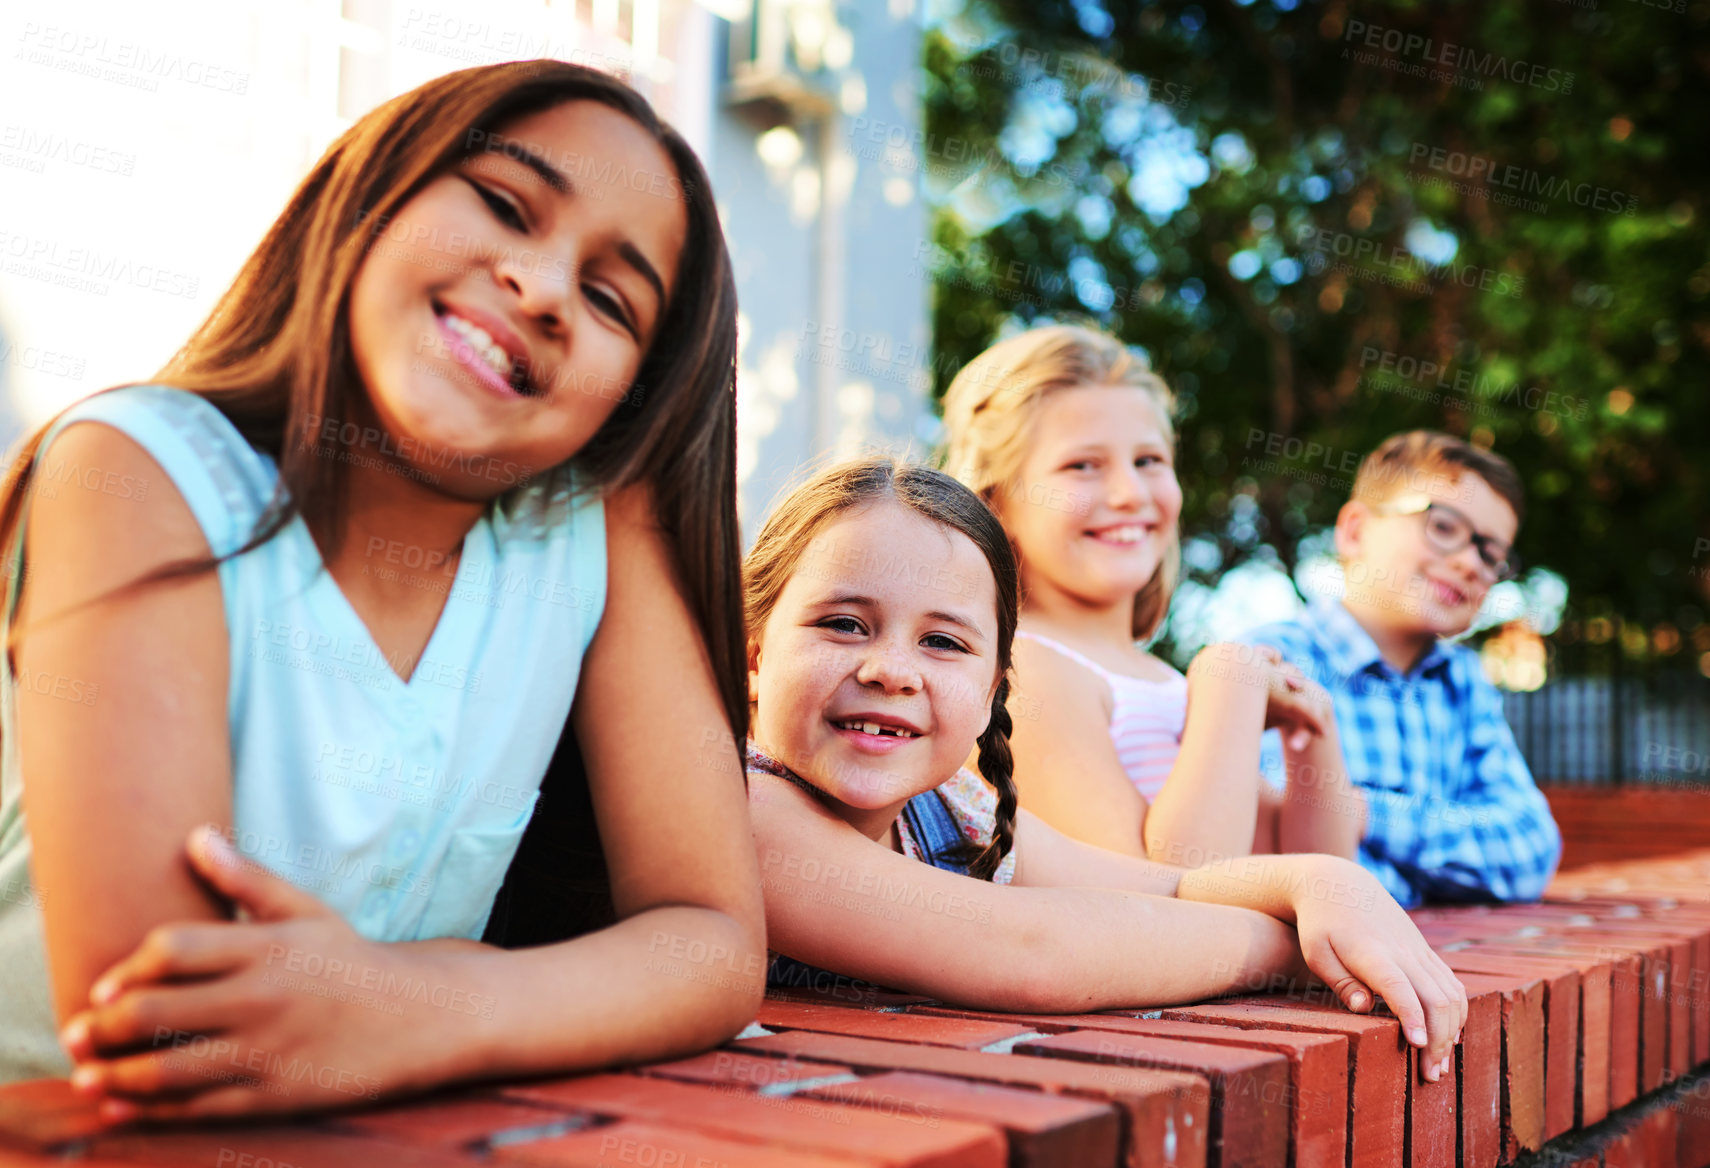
(102, 512)
(1044, 672)
(1150, 667)
(1124, 659)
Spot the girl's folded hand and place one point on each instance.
(1298, 706)
(1359, 941)
(287, 1010)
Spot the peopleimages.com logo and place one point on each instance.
(1482, 174)
(1419, 55)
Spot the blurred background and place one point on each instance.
(1322, 222)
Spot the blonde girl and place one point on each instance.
(1068, 437)
(881, 606)
(447, 473)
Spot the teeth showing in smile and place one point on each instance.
(482, 342)
(875, 728)
(1129, 534)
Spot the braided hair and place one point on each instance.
(790, 531)
(997, 767)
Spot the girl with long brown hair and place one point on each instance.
(882, 603)
(450, 467)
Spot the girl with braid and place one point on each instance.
(881, 603)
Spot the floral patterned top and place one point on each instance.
(972, 803)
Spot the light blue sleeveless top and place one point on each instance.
(400, 804)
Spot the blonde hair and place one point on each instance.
(990, 414)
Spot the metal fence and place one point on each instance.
(1636, 729)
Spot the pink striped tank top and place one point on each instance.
(1146, 718)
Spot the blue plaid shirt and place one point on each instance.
(1452, 811)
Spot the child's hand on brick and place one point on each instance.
(1361, 943)
(286, 1009)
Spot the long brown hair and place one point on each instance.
(275, 354)
(989, 413)
(790, 530)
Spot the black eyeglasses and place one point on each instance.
(1449, 531)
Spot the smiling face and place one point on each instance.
(873, 676)
(1097, 501)
(1397, 578)
(502, 314)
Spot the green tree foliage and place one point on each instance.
(1297, 209)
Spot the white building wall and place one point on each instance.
(824, 224)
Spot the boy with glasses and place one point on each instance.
(1452, 812)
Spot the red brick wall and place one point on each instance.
(1587, 1038)
(1621, 823)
